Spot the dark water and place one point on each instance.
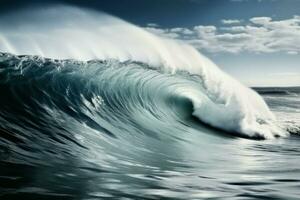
(69, 131)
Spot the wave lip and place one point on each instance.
(132, 87)
(217, 99)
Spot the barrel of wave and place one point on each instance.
(52, 32)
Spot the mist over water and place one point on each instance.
(52, 32)
(93, 107)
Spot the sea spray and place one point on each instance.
(220, 101)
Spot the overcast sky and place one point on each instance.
(257, 41)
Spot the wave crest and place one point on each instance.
(125, 91)
(217, 99)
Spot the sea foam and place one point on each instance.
(66, 32)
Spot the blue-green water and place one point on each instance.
(73, 130)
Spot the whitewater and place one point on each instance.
(220, 101)
(93, 107)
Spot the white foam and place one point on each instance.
(64, 32)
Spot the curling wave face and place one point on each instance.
(138, 77)
(109, 129)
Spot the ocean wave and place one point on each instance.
(108, 93)
(131, 71)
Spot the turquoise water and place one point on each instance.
(112, 130)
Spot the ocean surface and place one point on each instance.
(115, 130)
(93, 107)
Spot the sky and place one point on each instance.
(256, 41)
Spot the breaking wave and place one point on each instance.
(110, 75)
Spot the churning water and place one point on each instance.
(100, 109)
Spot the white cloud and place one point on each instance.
(184, 31)
(230, 21)
(292, 52)
(205, 31)
(290, 74)
(152, 25)
(256, 35)
(163, 32)
(261, 20)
